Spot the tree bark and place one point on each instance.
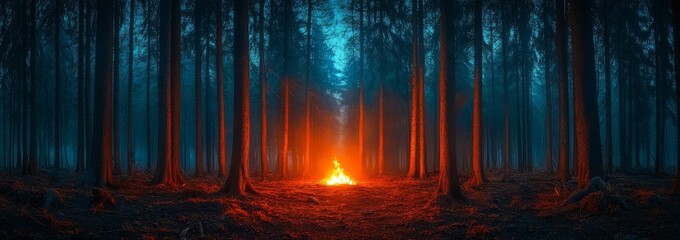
(148, 87)
(222, 139)
(198, 52)
(130, 138)
(676, 45)
(506, 106)
(478, 176)
(547, 29)
(589, 155)
(80, 161)
(360, 155)
(98, 171)
(448, 167)
(237, 182)
(413, 139)
(563, 173)
(117, 170)
(57, 80)
(264, 166)
(306, 172)
(168, 170)
(608, 89)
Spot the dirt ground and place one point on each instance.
(524, 206)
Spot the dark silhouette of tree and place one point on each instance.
(306, 161)
(563, 173)
(222, 139)
(448, 167)
(589, 153)
(264, 165)
(168, 169)
(198, 52)
(238, 182)
(676, 45)
(117, 13)
(478, 176)
(130, 126)
(99, 170)
(57, 81)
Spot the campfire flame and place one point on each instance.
(338, 177)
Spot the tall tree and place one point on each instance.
(148, 85)
(130, 142)
(676, 45)
(478, 176)
(57, 81)
(307, 161)
(80, 161)
(563, 173)
(285, 88)
(607, 88)
(588, 155)
(506, 106)
(117, 170)
(422, 150)
(99, 171)
(381, 92)
(198, 52)
(413, 130)
(660, 39)
(448, 167)
(547, 31)
(222, 139)
(237, 182)
(263, 96)
(168, 171)
(361, 87)
(32, 167)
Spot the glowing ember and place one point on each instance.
(337, 177)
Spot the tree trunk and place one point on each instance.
(175, 61)
(660, 81)
(32, 167)
(57, 77)
(99, 172)
(413, 144)
(360, 154)
(130, 143)
(448, 167)
(222, 139)
(198, 52)
(381, 96)
(81, 126)
(264, 166)
(306, 172)
(117, 170)
(285, 90)
(168, 170)
(422, 150)
(88, 89)
(148, 83)
(547, 29)
(676, 45)
(589, 155)
(478, 176)
(506, 106)
(563, 97)
(237, 182)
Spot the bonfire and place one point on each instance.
(338, 176)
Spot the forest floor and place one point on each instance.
(524, 206)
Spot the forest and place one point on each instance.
(339, 119)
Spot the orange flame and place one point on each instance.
(338, 177)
